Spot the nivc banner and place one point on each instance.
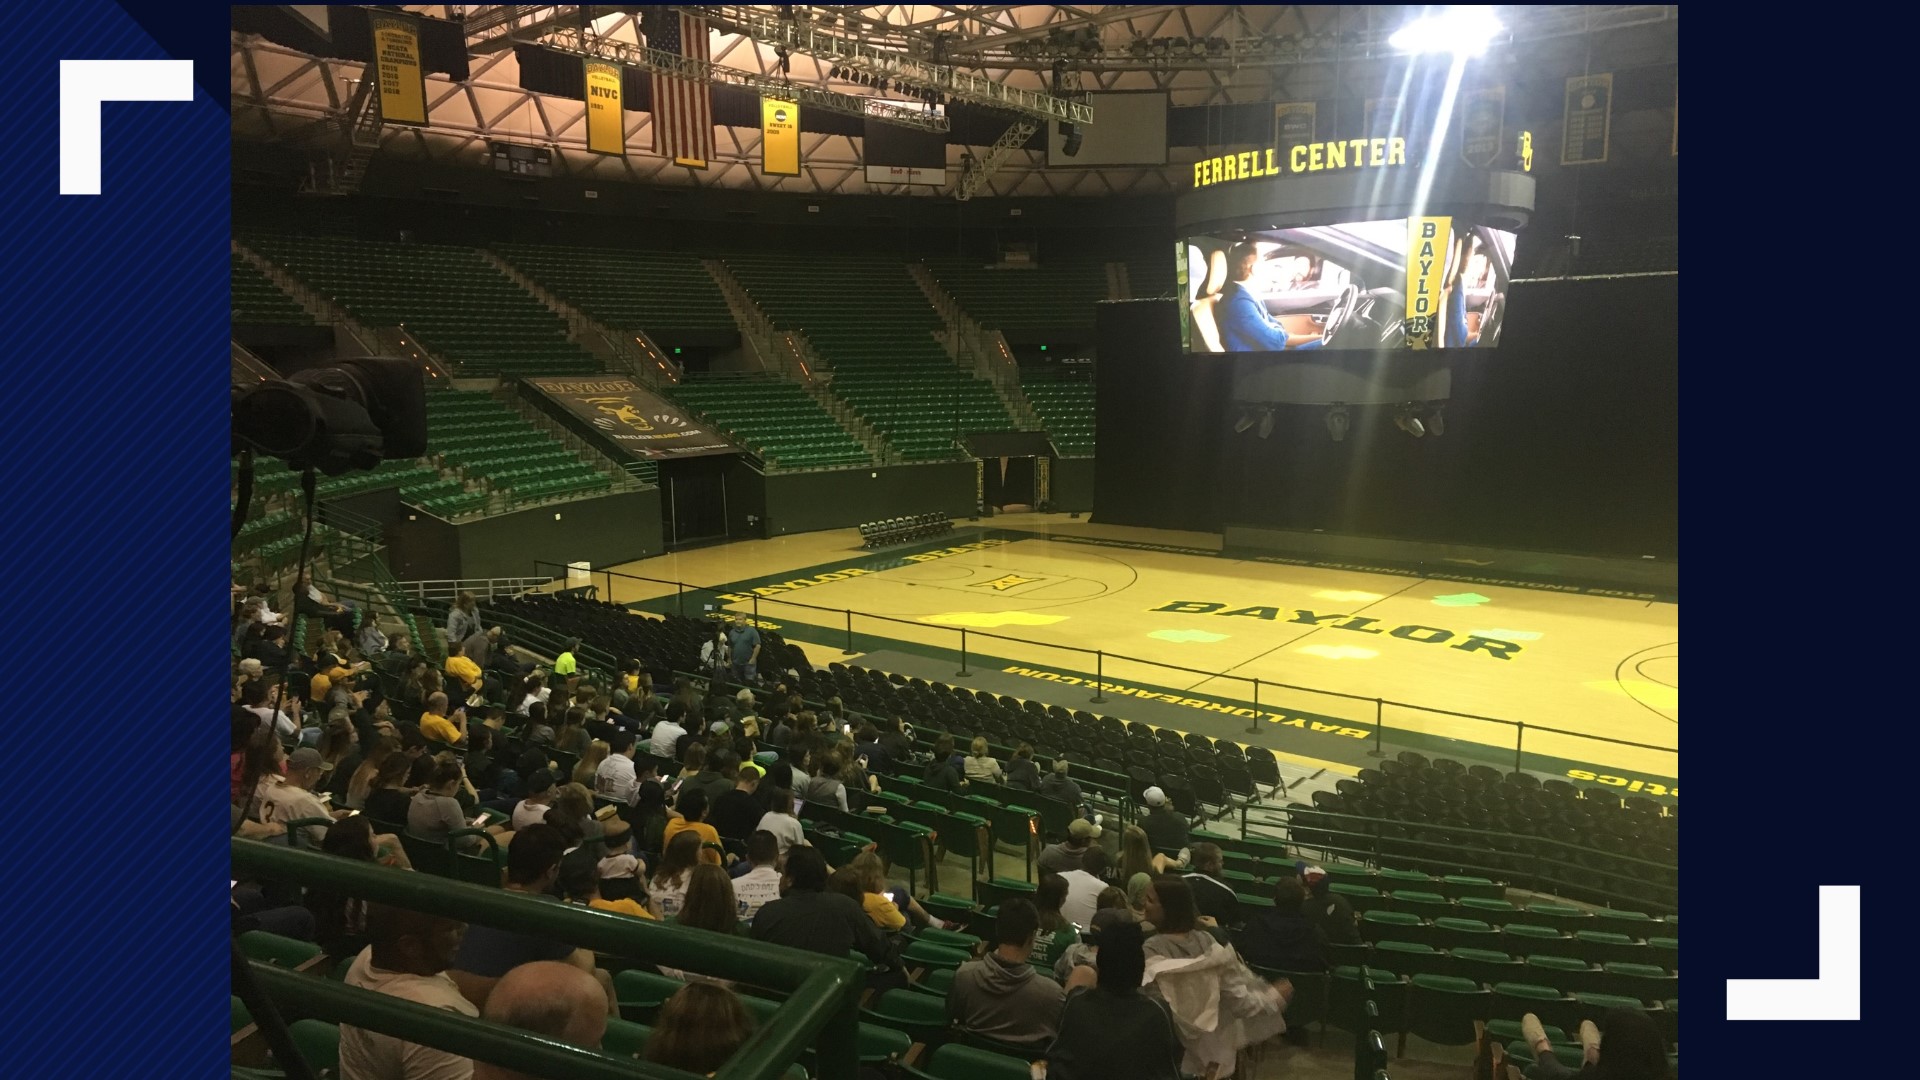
(1482, 116)
(1293, 123)
(403, 85)
(631, 417)
(779, 137)
(1587, 119)
(606, 123)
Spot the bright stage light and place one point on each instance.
(1463, 29)
(1266, 423)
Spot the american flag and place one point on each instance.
(682, 110)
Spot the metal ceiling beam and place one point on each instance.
(569, 39)
(1117, 13)
(975, 173)
(803, 37)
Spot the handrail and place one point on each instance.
(450, 588)
(824, 989)
(1100, 683)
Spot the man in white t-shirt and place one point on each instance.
(615, 779)
(1085, 885)
(666, 734)
(408, 959)
(761, 885)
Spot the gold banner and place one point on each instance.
(1427, 240)
(779, 137)
(403, 86)
(1294, 123)
(1382, 117)
(1587, 120)
(606, 120)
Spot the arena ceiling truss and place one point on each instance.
(1199, 55)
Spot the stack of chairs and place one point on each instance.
(899, 530)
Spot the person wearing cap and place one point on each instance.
(290, 797)
(1166, 827)
(616, 778)
(1056, 785)
(1326, 909)
(1066, 855)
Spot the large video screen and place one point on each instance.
(1404, 283)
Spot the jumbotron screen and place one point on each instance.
(1403, 283)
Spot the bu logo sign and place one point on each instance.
(1835, 995)
(84, 84)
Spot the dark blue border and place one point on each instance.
(112, 440)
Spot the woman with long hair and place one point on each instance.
(668, 891)
(889, 906)
(709, 904)
(1047, 898)
(699, 1028)
(1138, 857)
(572, 738)
(1022, 773)
(1249, 1009)
(589, 766)
(383, 747)
(650, 817)
(391, 796)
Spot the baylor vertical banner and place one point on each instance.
(779, 137)
(1589, 114)
(1483, 114)
(1293, 124)
(1427, 240)
(403, 86)
(606, 123)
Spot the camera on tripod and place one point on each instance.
(352, 415)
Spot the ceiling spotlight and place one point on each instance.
(1160, 46)
(1242, 424)
(1266, 423)
(1181, 46)
(1139, 48)
(833, 72)
(1436, 420)
(1338, 422)
(1463, 30)
(1408, 421)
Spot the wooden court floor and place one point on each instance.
(1156, 602)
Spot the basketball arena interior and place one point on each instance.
(955, 541)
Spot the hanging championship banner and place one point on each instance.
(396, 55)
(1427, 240)
(1383, 116)
(779, 137)
(606, 122)
(627, 417)
(1483, 115)
(1294, 123)
(1586, 120)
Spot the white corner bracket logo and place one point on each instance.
(84, 85)
(1835, 995)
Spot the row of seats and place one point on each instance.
(487, 441)
(665, 294)
(870, 322)
(1054, 299)
(256, 299)
(1066, 407)
(450, 299)
(899, 530)
(776, 419)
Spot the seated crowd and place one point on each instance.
(681, 806)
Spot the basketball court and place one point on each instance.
(1169, 631)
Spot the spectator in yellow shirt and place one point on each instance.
(437, 725)
(693, 815)
(462, 669)
(580, 880)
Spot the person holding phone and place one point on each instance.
(435, 813)
(440, 725)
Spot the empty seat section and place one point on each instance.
(664, 294)
(256, 299)
(872, 325)
(1034, 303)
(1148, 278)
(778, 420)
(451, 299)
(486, 441)
(1066, 407)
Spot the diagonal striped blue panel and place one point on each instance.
(112, 521)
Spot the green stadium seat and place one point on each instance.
(1443, 1010)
